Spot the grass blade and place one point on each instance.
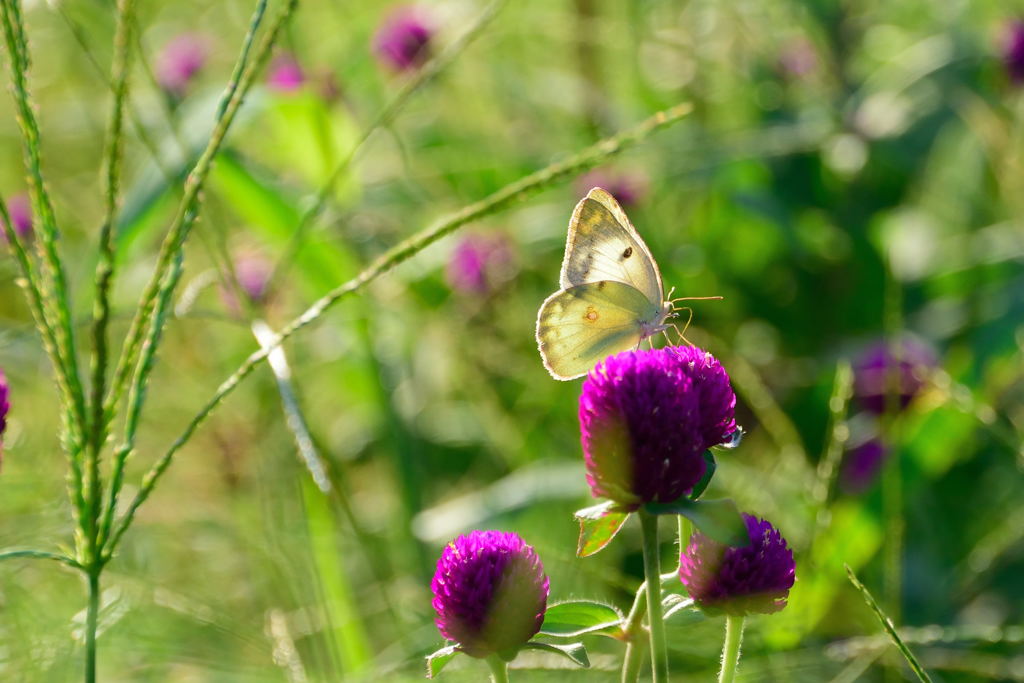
(887, 624)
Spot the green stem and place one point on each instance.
(499, 669)
(652, 574)
(91, 619)
(731, 648)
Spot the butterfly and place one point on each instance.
(611, 295)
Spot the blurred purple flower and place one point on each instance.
(252, 273)
(1013, 51)
(628, 187)
(286, 75)
(798, 59)
(402, 41)
(179, 62)
(479, 263)
(755, 578)
(880, 369)
(646, 418)
(490, 593)
(5, 406)
(861, 466)
(20, 210)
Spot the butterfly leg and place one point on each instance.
(689, 319)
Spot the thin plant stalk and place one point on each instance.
(731, 647)
(499, 669)
(635, 635)
(91, 621)
(890, 628)
(652, 575)
(503, 198)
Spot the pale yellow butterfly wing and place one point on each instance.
(579, 326)
(604, 245)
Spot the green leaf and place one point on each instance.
(709, 471)
(438, 660)
(574, 652)
(572, 619)
(717, 519)
(598, 526)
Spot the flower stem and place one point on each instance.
(652, 572)
(92, 616)
(731, 648)
(499, 669)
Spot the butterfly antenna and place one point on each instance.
(694, 298)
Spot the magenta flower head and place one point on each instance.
(1013, 51)
(629, 188)
(5, 406)
(861, 466)
(479, 263)
(490, 593)
(646, 418)
(20, 210)
(755, 578)
(179, 62)
(402, 42)
(286, 75)
(881, 368)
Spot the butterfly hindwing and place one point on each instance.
(579, 326)
(603, 245)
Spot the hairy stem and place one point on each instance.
(652, 574)
(731, 648)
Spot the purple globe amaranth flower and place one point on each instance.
(861, 466)
(402, 41)
(286, 75)
(1013, 51)
(882, 368)
(755, 578)
(629, 188)
(479, 263)
(179, 62)
(490, 593)
(5, 406)
(20, 210)
(646, 418)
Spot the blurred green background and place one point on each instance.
(849, 167)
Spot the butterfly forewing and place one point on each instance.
(603, 245)
(579, 326)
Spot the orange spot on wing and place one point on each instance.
(591, 315)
